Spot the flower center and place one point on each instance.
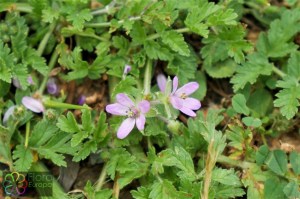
(183, 96)
(132, 112)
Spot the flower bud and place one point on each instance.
(52, 86)
(127, 69)
(173, 126)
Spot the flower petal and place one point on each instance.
(140, 122)
(144, 106)
(125, 128)
(176, 102)
(161, 82)
(175, 84)
(124, 100)
(8, 113)
(188, 111)
(117, 109)
(192, 103)
(187, 89)
(33, 104)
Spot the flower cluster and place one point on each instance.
(136, 111)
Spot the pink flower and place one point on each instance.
(135, 114)
(33, 104)
(179, 98)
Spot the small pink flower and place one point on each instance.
(179, 98)
(135, 114)
(33, 104)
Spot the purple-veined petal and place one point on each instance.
(117, 109)
(127, 69)
(81, 100)
(192, 103)
(161, 82)
(188, 111)
(124, 100)
(8, 113)
(187, 89)
(33, 104)
(52, 86)
(176, 102)
(125, 128)
(140, 122)
(144, 106)
(175, 84)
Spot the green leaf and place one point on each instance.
(196, 16)
(4, 88)
(86, 118)
(165, 189)
(128, 85)
(49, 15)
(294, 65)
(78, 18)
(184, 67)
(5, 63)
(78, 137)
(288, 97)
(295, 162)
(41, 133)
(226, 177)
(260, 101)
(35, 61)
(156, 51)
(87, 148)
(239, 104)
(56, 158)
(138, 33)
(256, 65)
(140, 193)
(229, 42)
(251, 121)
(176, 42)
(277, 162)
(100, 130)
(291, 190)
(120, 160)
(221, 69)
(277, 43)
(262, 154)
(273, 189)
(68, 124)
(238, 137)
(223, 17)
(181, 159)
(20, 73)
(23, 158)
